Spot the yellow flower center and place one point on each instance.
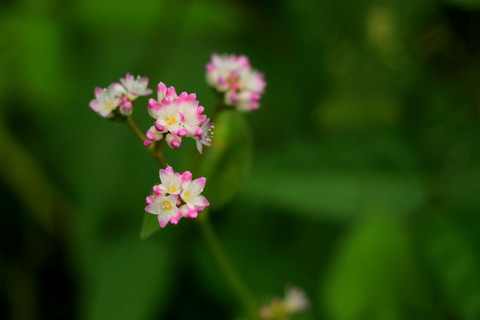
(167, 205)
(171, 190)
(110, 106)
(170, 120)
(186, 196)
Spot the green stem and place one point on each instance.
(156, 149)
(158, 153)
(133, 126)
(226, 267)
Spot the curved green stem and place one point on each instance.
(226, 267)
(156, 149)
(133, 126)
(158, 153)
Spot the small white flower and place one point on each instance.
(135, 86)
(205, 138)
(166, 209)
(295, 300)
(188, 107)
(169, 118)
(106, 100)
(176, 117)
(191, 194)
(233, 76)
(171, 181)
(166, 203)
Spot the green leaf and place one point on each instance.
(454, 264)
(150, 225)
(374, 276)
(335, 194)
(227, 162)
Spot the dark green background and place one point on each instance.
(365, 179)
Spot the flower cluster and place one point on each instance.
(177, 117)
(177, 196)
(280, 309)
(232, 75)
(118, 96)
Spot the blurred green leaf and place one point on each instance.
(129, 281)
(333, 193)
(454, 263)
(227, 161)
(374, 276)
(150, 225)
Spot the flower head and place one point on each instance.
(281, 309)
(176, 196)
(233, 76)
(176, 117)
(191, 195)
(118, 97)
(205, 137)
(135, 86)
(295, 300)
(106, 100)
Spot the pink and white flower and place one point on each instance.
(171, 182)
(191, 195)
(135, 86)
(205, 138)
(294, 302)
(176, 117)
(176, 196)
(106, 100)
(119, 96)
(232, 75)
(165, 207)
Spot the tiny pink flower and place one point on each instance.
(294, 302)
(164, 92)
(188, 107)
(171, 181)
(245, 100)
(176, 117)
(135, 86)
(152, 135)
(121, 94)
(233, 76)
(173, 141)
(165, 207)
(176, 196)
(191, 194)
(204, 137)
(169, 118)
(106, 100)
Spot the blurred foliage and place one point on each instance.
(364, 179)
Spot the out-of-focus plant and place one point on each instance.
(177, 116)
